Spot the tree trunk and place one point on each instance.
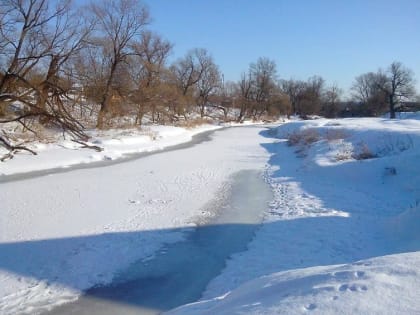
(46, 86)
(202, 109)
(391, 107)
(104, 110)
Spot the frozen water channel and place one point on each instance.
(179, 273)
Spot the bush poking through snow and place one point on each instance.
(304, 137)
(363, 152)
(344, 153)
(335, 134)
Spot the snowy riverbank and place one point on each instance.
(115, 144)
(347, 193)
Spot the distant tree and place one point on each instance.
(264, 78)
(331, 101)
(245, 92)
(259, 92)
(210, 80)
(147, 73)
(365, 91)
(293, 89)
(197, 76)
(119, 24)
(226, 98)
(397, 83)
(384, 88)
(310, 97)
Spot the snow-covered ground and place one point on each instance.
(115, 144)
(65, 232)
(342, 235)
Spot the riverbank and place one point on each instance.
(102, 148)
(342, 235)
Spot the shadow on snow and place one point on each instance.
(180, 272)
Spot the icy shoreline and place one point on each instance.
(118, 147)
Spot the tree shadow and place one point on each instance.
(180, 272)
(371, 201)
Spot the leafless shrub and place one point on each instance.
(305, 137)
(192, 123)
(364, 152)
(344, 154)
(335, 134)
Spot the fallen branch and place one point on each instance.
(11, 147)
(8, 156)
(88, 146)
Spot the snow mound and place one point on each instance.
(327, 141)
(372, 286)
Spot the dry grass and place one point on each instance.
(192, 123)
(364, 152)
(335, 134)
(305, 137)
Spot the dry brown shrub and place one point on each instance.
(364, 153)
(192, 123)
(305, 137)
(335, 134)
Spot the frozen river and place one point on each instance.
(180, 272)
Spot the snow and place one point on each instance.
(341, 235)
(384, 285)
(115, 144)
(65, 232)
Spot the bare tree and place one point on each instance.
(209, 81)
(36, 38)
(331, 101)
(398, 84)
(120, 23)
(226, 97)
(311, 96)
(197, 76)
(264, 74)
(293, 89)
(148, 73)
(245, 95)
(263, 77)
(367, 92)
(188, 69)
(259, 91)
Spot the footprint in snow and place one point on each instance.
(352, 288)
(310, 307)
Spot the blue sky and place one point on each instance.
(335, 39)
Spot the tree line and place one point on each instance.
(61, 65)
